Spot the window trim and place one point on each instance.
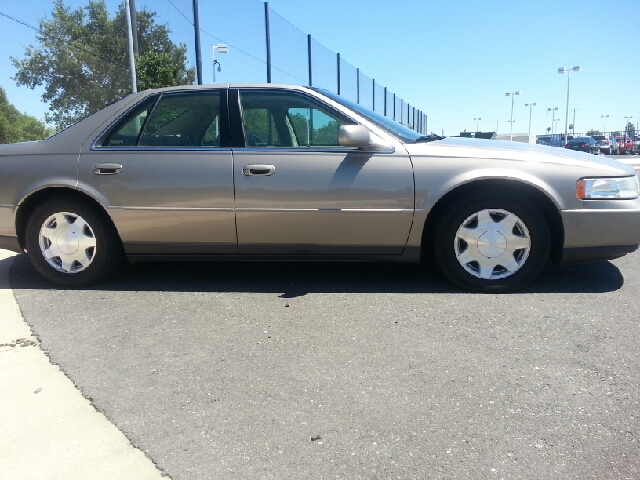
(225, 132)
(237, 125)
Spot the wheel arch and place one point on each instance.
(30, 202)
(524, 190)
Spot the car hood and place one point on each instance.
(456, 147)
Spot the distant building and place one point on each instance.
(517, 137)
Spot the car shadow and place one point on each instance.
(296, 279)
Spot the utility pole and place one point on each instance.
(196, 26)
(134, 26)
(267, 32)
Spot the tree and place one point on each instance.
(81, 59)
(157, 70)
(593, 132)
(630, 129)
(19, 127)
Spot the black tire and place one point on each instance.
(101, 260)
(460, 211)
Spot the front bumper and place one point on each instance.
(602, 230)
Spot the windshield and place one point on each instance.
(402, 133)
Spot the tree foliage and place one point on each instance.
(593, 132)
(19, 127)
(157, 70)
(81, 59)
(630, 129)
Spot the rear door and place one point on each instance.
(165, 174)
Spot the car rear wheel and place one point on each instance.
(70, 244)
(492, 243)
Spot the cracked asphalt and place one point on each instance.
(372, 371)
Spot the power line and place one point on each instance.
(64, 42)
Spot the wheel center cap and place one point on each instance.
(68, 242)
(492, 244)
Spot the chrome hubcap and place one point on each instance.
(492, 244)
(67, 242)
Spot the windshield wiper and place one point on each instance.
(428, 138)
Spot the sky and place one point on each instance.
(453, 60)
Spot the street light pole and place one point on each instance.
(476, 120)
(604, 125)
(566, 120)
(512, 95)
(530, 105)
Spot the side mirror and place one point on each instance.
(354, 136)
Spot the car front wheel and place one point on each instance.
(70, 244)
(492, 243)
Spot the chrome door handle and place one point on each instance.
(107, 169)
(258, 170)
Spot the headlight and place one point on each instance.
(607, 188)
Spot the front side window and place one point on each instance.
(401, 132)
(286, 119)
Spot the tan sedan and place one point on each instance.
(267, 172)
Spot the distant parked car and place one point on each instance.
(636, 145)
(607, 143)
(584, 144)
(625, 145)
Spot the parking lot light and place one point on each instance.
(604, 125)
(476, 120)
(530, 105)
(566, 122)
(553, 117)
(221, 48)
(512, 95)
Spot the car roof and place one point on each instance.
(229, 85)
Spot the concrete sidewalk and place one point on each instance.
(49, 430)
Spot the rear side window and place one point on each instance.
(182, 119)
(189, 119)
(126, 133)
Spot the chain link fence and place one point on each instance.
(269, 48)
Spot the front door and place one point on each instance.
(299, 192)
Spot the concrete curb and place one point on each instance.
(49, 430)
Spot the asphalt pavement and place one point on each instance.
(372, 371)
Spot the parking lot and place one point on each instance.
(263, 370)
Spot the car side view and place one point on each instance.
(280, 172)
